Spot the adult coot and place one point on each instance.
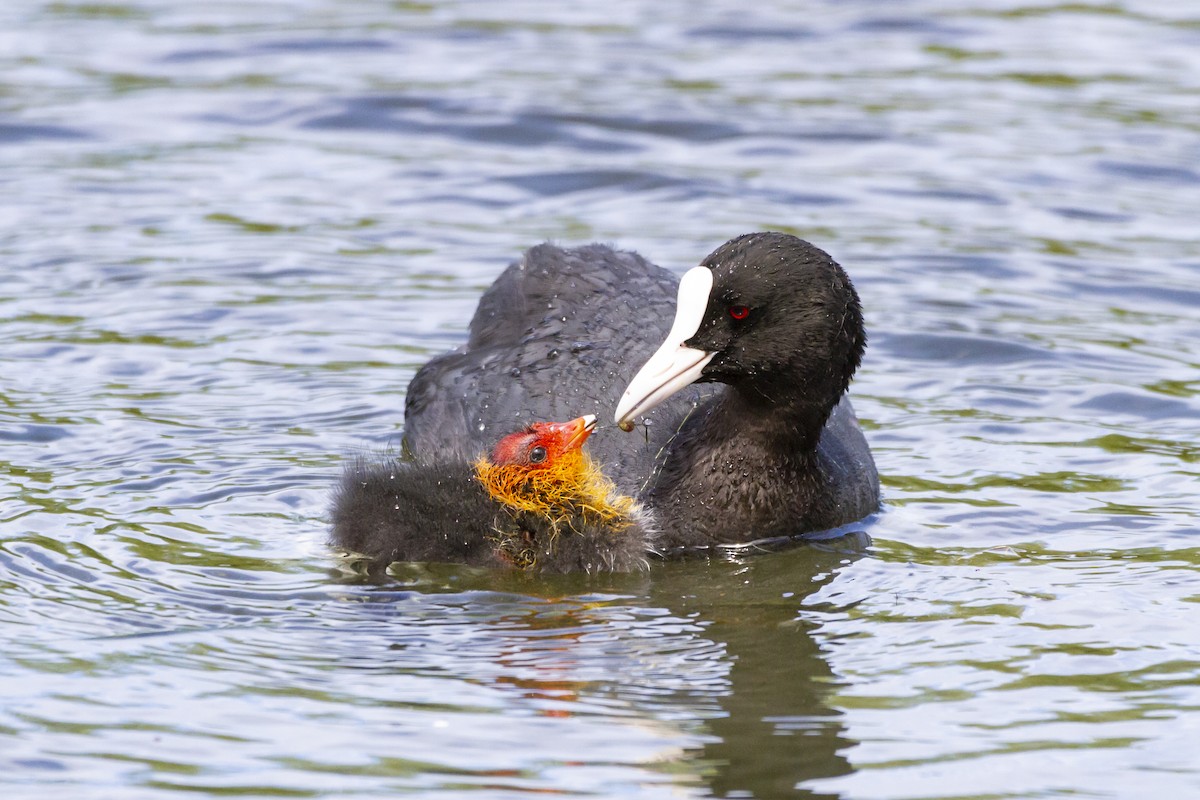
(743, 430)
(538, 503)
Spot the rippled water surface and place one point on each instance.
(230, 232)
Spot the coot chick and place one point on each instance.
(762, 444)
(538, 504)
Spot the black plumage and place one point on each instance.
(764, 444)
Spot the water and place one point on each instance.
(232, 231)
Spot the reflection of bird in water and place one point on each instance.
(537, 503)
(778, 733)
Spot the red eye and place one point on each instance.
(739, 312)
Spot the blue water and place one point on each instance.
(231, 232)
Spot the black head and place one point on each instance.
(782, 319)
(768, 314)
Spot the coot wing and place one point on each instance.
(559, 334)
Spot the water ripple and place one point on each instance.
(234, 232)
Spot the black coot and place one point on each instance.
(537, 503)
(775, 450)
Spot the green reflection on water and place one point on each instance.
(1165, 675)
(96, 11)
(241, 790)
(692, 85)
(960, 54)
(1065, 481)
(1060, 8)
(1175, 388)
(1035, 552)
(127, 82)
(249, 226)
(914, 700)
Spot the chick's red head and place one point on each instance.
(543, 444)
(542, 469)
(543, 480)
